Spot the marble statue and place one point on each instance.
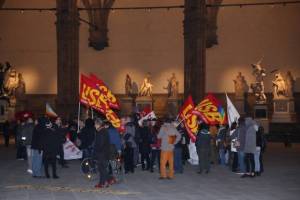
(290, 84)
(240, 85)
(258, 87)
(146, 87)
(172, 86)
(14, 83)
(279, 86)
(128, 85)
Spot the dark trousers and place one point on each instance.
(49, 159)
(6, 140)
(128, 160)
(145, 156)
(155, 155)
(204, 159)
(235, 161)
(178, 160)
(103, 172)
(261, 162)
(249, 161)
(62, 161)
(21, 151)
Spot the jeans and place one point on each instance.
(29, 156)
(242, 161)
(256, 159)
(36, 163)
(235, 161)
(155, 155)
(178, 160)
(222, 156)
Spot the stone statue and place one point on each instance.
(128, 86)
(240, 85)
(14, 84)
(146, 87)
(3, 75)
(290, 84)
(21, 89)
(172, 86)
(258, 87)
(279, 86)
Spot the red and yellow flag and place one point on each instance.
(95, 94)
(189, 118)
(210, 111)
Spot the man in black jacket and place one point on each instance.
(87, 136)
(51, 145)
(102, 153)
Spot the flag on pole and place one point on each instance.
(188, 118)
(232, 113)
(50, 112)
(146, 114)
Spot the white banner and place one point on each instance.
(193, 154)
(71, 151)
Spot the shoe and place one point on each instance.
(56, 177)
(151, 170)
(169, 178)
(207, 171)
(99, 186)
(245, 175)
(47, 176)
(257, 174)
(161, 178)
(29, 171)
(199, 172)
(112, 181)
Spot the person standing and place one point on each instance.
(203, 146)
(5, 129)
(62, 130)
(36, 146)
(221, 144)
(155, 146)
(51, 146)
(145, 139)
(234, 153)
(250, 147)
(240, 144)
(26, 134)
(87, 136)
(169, 137)
(259, 149)
(102, 152)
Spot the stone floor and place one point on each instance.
(281, 181)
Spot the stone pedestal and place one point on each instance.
(173, 105)
(240, 105)
(126, 105)
(142, 102)
(261, 116)
(284, 110)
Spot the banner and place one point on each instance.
(71, 151)
(111, 99)
(189, 118)
(210, 111)
(146, 114)
(232, 113)
(98, 97)
(50, 112)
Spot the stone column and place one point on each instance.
(194, 49)
(67, 30)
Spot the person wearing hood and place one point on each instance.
(169, 137)
(50, 145)
(36, 147)
(203, 146)
(87, 136)
(250, 147)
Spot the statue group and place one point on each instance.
(12, 84)
(258, 87)
(283, 87)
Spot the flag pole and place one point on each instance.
(92, 111)
(78, 117)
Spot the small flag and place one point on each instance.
(232, 113)
(49, 111)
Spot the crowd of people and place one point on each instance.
(161, 145)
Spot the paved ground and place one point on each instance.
(280, 181)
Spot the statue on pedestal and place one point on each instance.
(279, 86)
(240, 86)
(146, 87)
(172, 86)
(128, 86)
(290, 84)
(258, 87)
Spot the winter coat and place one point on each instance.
(87, 137)
(27, 132)
(203, 140)
(102, 145)
(51, 141)
(241, 137)
(250, 140)
(37, 134)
